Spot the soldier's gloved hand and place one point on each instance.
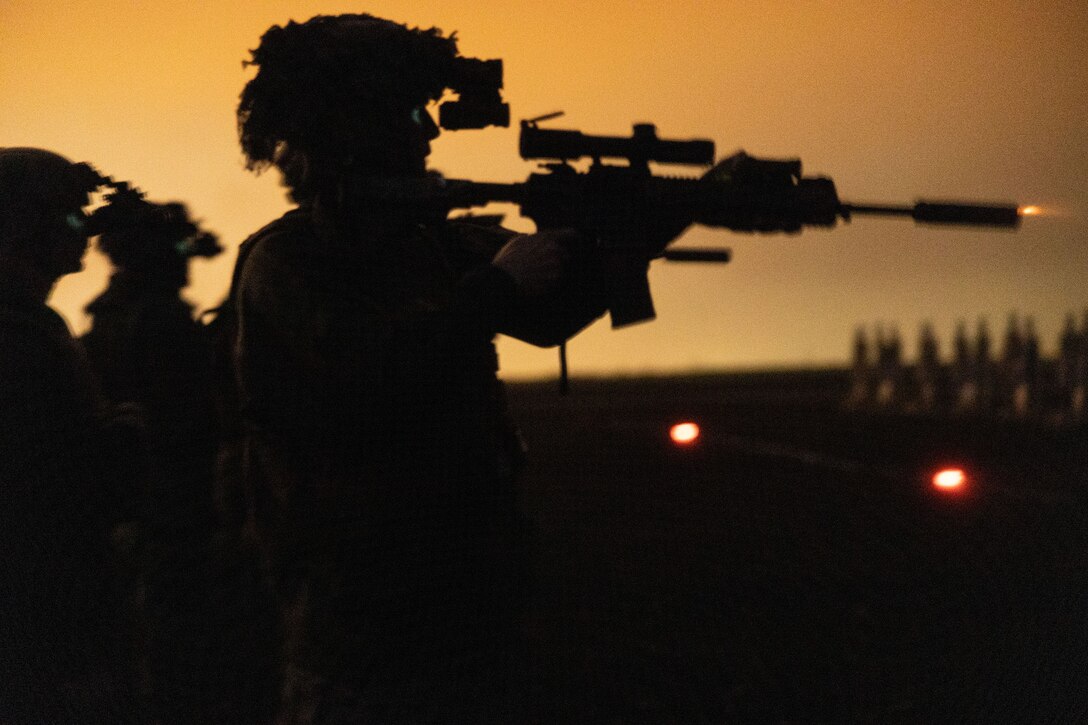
(536, 261)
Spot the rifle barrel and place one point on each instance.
(697, 255)
(463, 193)
(995, 215)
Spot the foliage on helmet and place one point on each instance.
(336, 84)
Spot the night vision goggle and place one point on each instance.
(127, 212)
(479, 104)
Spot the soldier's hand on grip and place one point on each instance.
(536, 261)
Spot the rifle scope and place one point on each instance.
(641, 146)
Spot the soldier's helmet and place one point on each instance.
(338, 87)
(151, 240)
(41, 193)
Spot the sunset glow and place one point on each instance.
(894, 102)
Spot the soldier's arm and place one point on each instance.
(540, 288)
(559, 287)
(279, 324)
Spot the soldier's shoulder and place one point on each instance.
(38, 323)
(281, 243)
(294, 227)
(37, 348)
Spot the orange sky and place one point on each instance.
(895, 101)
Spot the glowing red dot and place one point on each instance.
(950, 479)
(684, 433)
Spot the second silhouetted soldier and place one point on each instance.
(68, 468)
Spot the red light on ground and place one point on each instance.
(684, 433)
(950, 479)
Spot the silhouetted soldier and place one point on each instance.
(928, 369)
(378, 448)
(1068, 350)
(1014, 341)
(1079, 397)
(889, 367)
(861, 370)
(1010, 374)
(1011, 356)
(1026, 389)
(963, 370)
(984, 366)
(66, 472)
(147, 349)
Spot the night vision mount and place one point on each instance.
(479, 103)
(127, 213)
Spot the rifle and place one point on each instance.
(631, 216)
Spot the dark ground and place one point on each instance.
(795, 565)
